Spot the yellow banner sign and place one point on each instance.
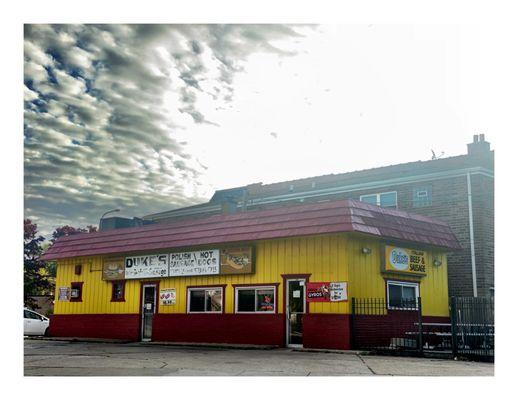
(405, 261)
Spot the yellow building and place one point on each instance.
(285, 276)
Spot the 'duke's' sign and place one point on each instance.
(203, 262)
(406, 261)
(152, 266)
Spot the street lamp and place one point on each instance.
(107, 212)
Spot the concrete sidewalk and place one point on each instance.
(73, 358)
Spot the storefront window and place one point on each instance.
(76, 291)
(205, 300)
(260, 299)
(402, 295)
(118, 290)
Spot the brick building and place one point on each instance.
(458, 190)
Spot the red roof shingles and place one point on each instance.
(299, 220)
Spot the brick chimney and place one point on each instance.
(479, 146)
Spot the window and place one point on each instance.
(402, 295)
(255, 299)
(387, 199)
(76, 292)
(205, 300)
(30, 315)
(422, 196)
(118, 290)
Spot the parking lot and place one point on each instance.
(67, 358)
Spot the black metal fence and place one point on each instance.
(377, 326)
(469, 332)
(472, 326)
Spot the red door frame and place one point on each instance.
(157, 288)
(285, 278)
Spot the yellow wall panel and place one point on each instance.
(335, 257)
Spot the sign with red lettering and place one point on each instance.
(326, 291)
(317, 291)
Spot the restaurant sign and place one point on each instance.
(151, 266)
(236, 260)
(404, 261)
(227, 261)
(317, 292)
(167, 297)
(113, 269)
(192, 263)
(64, 293)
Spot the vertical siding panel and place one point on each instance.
(334, 257)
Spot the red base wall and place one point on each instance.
(377, 330)
(326, 331)
(104, 326)
(220, 328)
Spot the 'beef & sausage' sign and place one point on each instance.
(404, 261)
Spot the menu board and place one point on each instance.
(167, 297)
(326, 291)
(192, 263)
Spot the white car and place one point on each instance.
(34, 323)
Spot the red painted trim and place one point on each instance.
(223, 294)
(123, 291)
(295, 276)
(237, 285)
(244, 285)
(105, 326)
(261, 329)
(327, 331)
(285, 277)
(80, 298)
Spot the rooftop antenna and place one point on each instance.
(435, 157)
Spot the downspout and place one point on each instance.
(472, 238)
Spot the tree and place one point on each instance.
(35, 280)
(67, 230)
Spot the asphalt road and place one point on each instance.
(62, 358)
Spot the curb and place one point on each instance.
(75, 339)
(332, 351)
(170, 344)
(209, 345)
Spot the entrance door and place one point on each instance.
(148, 309)
(295, 309)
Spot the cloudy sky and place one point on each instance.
(148, 118)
